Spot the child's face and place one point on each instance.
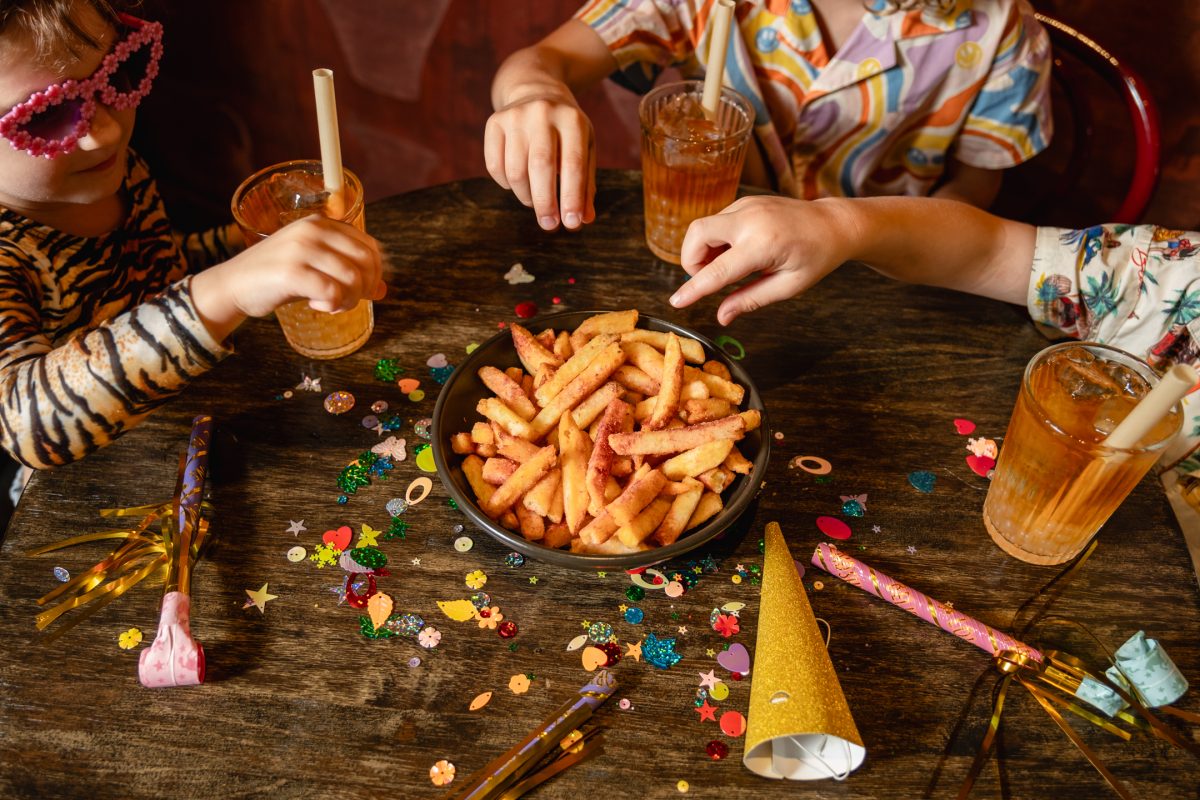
(93, 171)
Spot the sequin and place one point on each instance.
(476, 579)
(507, 629)
(396, 506)
(414, 662)
(369, 557)
(526, 309)
(716, 749)
(514, 560)
(416, 395)
(379, 406)
(922, 481)
(613, 651)
(727, 343)
(370, 421)
(339, 402)
(429, 638)
(600, 632)
(61, 574)
(388, 369)
(660, 653)
(441, 374)
(463, 543)
(635, 594)
(852, 508)
(422, 427)
(634, 616)
(481, 599)
(624, 704)
(409, 624)
(296, 554)
(398, 529)
(441, 773)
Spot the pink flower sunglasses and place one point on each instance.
(51, 122)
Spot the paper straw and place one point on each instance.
(714, 68)
(856, 573)
(1178, 381)
(331, 145)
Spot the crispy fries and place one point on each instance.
(563, 458)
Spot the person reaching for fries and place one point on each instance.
(608, 440)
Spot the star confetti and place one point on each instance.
(633, 650)
(660, 652)
(708, 679)
(296, 528)
(707, 713)
(259, 599)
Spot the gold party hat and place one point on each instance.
(800, 726)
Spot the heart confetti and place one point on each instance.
(981, 465)
(922, 481)
(736, 659)
(437, 360)
(964, 426)
(338, 539)
(594, 658)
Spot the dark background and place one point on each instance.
(413, 78)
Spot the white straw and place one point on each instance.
(1178, 381)
(714, 68)
(327, 129)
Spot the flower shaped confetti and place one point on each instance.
(489, 617)
(518, 684)
(476, 580)
(441, 773)
(324, 555)
(309, 384)
(984, 448)
(726, 625)
(429, 638)
(130, 639)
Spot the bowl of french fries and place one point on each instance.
(600, 439)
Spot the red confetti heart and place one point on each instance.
(833, 527)
(526, 309)
(964, 426)
(339, 539)
(981, 465)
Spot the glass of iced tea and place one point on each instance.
(691, 165)
(1056, 483)
(275, 196)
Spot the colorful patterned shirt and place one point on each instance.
(96, 332)
(1136, 287)
(880, 116)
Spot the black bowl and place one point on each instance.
(455, 412)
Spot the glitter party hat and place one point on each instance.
(800, 726)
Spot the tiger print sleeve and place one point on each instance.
(57, 404)
(213, 246)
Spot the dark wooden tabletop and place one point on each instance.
(863, 372)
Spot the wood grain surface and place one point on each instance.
(863, 372)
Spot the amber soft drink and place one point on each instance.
(275, 196)
(1056, 483)
(691, 165)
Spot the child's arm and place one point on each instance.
(204, 248)
(795, 243)
(538, 135)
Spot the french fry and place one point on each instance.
(694, 390)
(678, 439)
(617, 322)
(716, 479)
(736, 462)
(495, 410)
(509, 391)
(515, 448)
(709, 506)
(520, 482)
(617, 418)
(497, 470)
(527, 383)
(541, 496)
(717, 368)
(516, 374)
(681, 510)
(622, 466)
(667, 401)
(533, 354)
(562, 346)
(557, 536)
(643, 410)
(509, 520)
(485, 450)
(575, 448)
(572, 368)
(717, 386)
(599, 529)
(546, 337)
(646, 358)
(556, 502)
(586, 412)
(575, 392)
(641, 526)
(695, 411)
(693, 351)
(691, 463)
(640, 493)
(461, 443)
(609, 547)
(533, 527)
(472, 467)
(752, 418)
(481, 433)
(635, 380)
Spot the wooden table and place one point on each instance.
(865, 373)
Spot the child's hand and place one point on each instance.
(538, 140)
(794, 243)
(330, 264)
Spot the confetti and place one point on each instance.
(813, 465)
(634, 650)
(339, 539)
(682, 786)
(429, 639)
(61, 574)
(719, 691)
(408, 385)
(259, 599)
(736, 659)
(708, 679)
(716, 749)
(379, 608)
(985, 448)
(480, 600)
(397, 529)
(594, 658)
(436, 360)
(370, 421)
(419, 489)
(981, 465)
(516, 274)
(852, 508)
(922, 481)
(463, 543)
(472, 347)
(396, 506)
(296, 528)
(489, 617)
(635, 594)
(514, 560)
(707, 713)
(634, 616)
(674, 589)
(297, 554)
(308, 384)
(339, 402)
(441, 773)
(476, 579)
(726, 625)
(518, 684)
(624, 704)
(727, 342)
(526, 309)
(379, 406)
(457, 610)
(480, 701)
(425, 460)
(129, 639)
(733, 723)
(578, 642)
(423, 428)
(964, 426)
(600, 632)
(833, 527)
(392, 448)
(440, 376)
(661, 653)
(325, 556)
(508, 629)
(388, 369)
(368, 537)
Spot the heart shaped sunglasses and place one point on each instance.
(51, 122)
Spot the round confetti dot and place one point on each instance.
(297, 553)
(379, 406)
(833, 527)
(556, 300)
(852, 508)
(342, 500)
(414, 662)
(370, 421)
(682, 786)
(481, 600)
(463, 543)
(635, 594)
(339, 402)
(818, 585)
(813, 465)
(61, 574)
(396, 506)
(507, 629)
(735, 578)
(416, 396)
(526, 309)
(288, 394)
(634, 616)
(779, 436)
(719, 691)
(600, 632)
(458, 528)
(733, 723)
(424, 460)
(716, 749)
(624, 704)
(514, 560)
(472, 347)
(441, 773)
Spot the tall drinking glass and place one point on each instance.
(1056, 482)
(277, 195)
(691, 165)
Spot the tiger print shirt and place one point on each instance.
(96, 332)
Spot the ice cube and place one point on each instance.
(296, 191)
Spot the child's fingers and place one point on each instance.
(516, 165)
(493, 151)
(543, 169)
(589, 213)
(703, 237)
(727, 268)
(572, 174)
(766, 290)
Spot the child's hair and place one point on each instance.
(50, 26)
